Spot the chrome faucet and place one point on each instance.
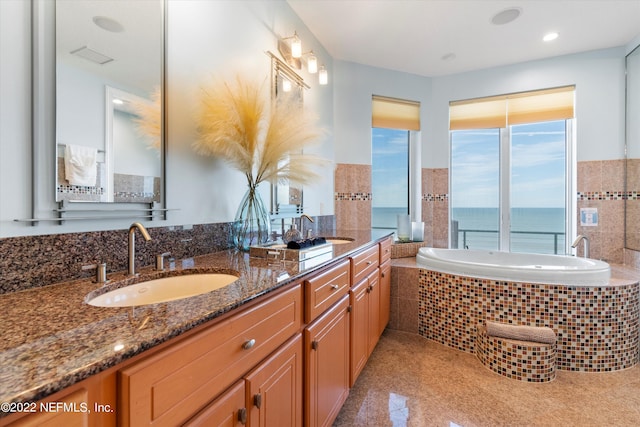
(586, 244)
(132, 245)
(302, 217)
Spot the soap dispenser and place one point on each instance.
(292, 234)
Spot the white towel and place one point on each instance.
(80, 165)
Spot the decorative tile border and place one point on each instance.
(435, 197)
(519, 360)
(352, 196)
(597, 327)
(607, 195)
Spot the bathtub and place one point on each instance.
(595, 319)
(516, 267)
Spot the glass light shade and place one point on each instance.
(286, 85)
(323, 76)
(312, 64)
(296, 46)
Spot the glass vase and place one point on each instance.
(252, 224)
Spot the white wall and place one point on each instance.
(354, 85)
(205, 39)
(598, 76)
(599, 80)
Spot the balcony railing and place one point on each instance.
(556, 239)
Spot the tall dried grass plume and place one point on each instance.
(149, 121)
(265, 140)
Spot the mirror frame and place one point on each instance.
(627, 191)
(44, 206)
(280, 71)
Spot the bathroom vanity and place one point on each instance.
(280, 346)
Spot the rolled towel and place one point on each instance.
(299, 244)
(80, 165)
(521, 333)
(318, 241)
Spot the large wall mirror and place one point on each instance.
(286, 199)
(632, 203)
(106, 128)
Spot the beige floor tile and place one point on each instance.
(411, 381)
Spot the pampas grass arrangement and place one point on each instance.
(262, 139)
(149, 121)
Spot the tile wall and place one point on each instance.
(600, 185)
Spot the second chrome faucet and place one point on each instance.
(132, 244)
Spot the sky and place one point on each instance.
(537, 166)
(390, 167)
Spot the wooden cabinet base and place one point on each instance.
(327, 365)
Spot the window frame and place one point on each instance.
(504, 180)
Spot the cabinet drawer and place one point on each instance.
(363, 263)
(385, 250)
(170, 386)
(325, 289)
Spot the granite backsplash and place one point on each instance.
(34, 261)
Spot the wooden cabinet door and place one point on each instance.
(228, 410)
(274, 388)
(373, 323)
(385, 294)
(359, 299)
(327, 365)
(169, 387)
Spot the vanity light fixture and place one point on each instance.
(312, 62)
(286, 85)
(550, 36)
(295, 45)
(323, 76)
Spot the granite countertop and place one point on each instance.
(52, 339)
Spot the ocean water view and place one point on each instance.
(537, 230)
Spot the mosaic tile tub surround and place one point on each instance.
(597, 327)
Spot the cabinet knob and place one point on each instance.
(335, 287)
(248, 344)
(369, 262)
(242, 415)
(314, 345)
(257, 400)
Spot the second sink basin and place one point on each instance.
(339, 240)
(162, 290)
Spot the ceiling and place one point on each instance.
(414, 36)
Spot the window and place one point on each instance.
(393, 145)
(511, 172)
(389, 176)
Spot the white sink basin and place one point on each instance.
(338, 240)
(163, 290)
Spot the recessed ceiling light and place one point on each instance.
(550, 37)
(506, 16)
(108, 24)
